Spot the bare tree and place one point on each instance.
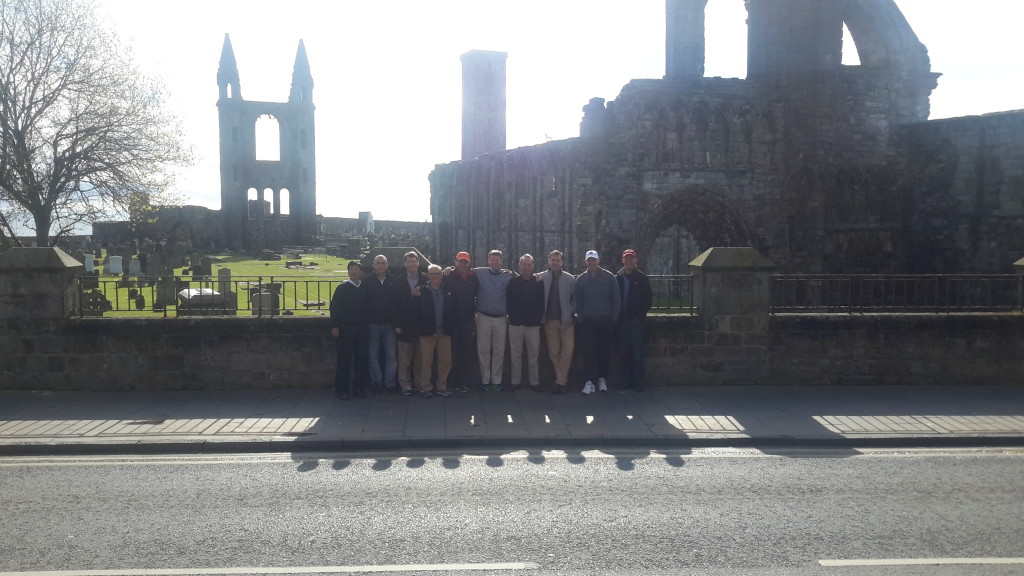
(83, 135)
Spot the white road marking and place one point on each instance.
(287, 570)
(919, 561)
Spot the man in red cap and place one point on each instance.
(463, 285)
(635, 290)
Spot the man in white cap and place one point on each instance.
(598, 304)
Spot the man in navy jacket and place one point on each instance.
(635, 290)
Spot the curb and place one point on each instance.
(142, 447)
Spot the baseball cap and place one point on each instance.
(591, 254)
(629, 252)
(462, 256)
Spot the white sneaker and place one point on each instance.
(602, 386)
(588, 388)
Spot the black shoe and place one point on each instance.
(536, 388)
(559, 389)
(513, 387)
(360, 393)
(342, 395)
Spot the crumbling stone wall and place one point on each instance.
(822, 167)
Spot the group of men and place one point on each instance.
(422, 332)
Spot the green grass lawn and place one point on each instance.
(301, 286)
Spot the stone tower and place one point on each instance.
(266, 203)
(483, 103)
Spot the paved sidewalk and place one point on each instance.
(43, 423)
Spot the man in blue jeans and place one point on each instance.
(382, 301)
(635, 290)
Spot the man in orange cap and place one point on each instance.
(463, 285)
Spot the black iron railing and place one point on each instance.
(204, 296)
(672, 294)
(865, 293)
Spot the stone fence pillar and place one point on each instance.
(732, 291)
(37, 284)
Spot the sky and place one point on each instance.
(387, 74)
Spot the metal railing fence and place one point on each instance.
(863, 293)
(171, 296)
(672, 294)
(204, 296)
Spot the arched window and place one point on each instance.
(851, 55)
(284, 199)
(268, 139)
(268, 200)
(253, 197)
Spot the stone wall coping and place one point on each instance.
(740, 258)
(37, 259)
(1010, 321)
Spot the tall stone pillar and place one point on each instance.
(684, 39)
(483, 103)
(732, 291)
(788, 38)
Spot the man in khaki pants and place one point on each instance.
(559, 314)
(525, 317)
(436, 307)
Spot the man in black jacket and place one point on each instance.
(348, 326)
(408, 323)
(635, 289)
(525, 304)
(435, 307)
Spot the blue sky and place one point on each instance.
(388, 76)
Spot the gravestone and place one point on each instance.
(264, 304)
(114, 265)
(224, 280)
(165, 293)
(90, 262)
(134, 266)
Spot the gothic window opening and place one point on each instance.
(268, 139)
(284, 199)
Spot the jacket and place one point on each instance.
(424, 306)
(463, 290)
(408, 316)
(381, 299)
(597, 296)
(636, 306)
(566, 295)
(525, 301)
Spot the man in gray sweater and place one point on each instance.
(491, 319)
(598, 304)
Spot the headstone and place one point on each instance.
(264, 304)
(134, 266)
(90, 262)
(114, 265)
(205, 266)
(165, 292)
(140, 302)
(224, 280)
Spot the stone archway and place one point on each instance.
(710, 220)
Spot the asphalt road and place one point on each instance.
(625, 512)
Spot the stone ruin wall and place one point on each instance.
(822, 167)
(802, 178)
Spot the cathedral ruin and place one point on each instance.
(822, 167)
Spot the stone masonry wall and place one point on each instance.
(244, 353)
